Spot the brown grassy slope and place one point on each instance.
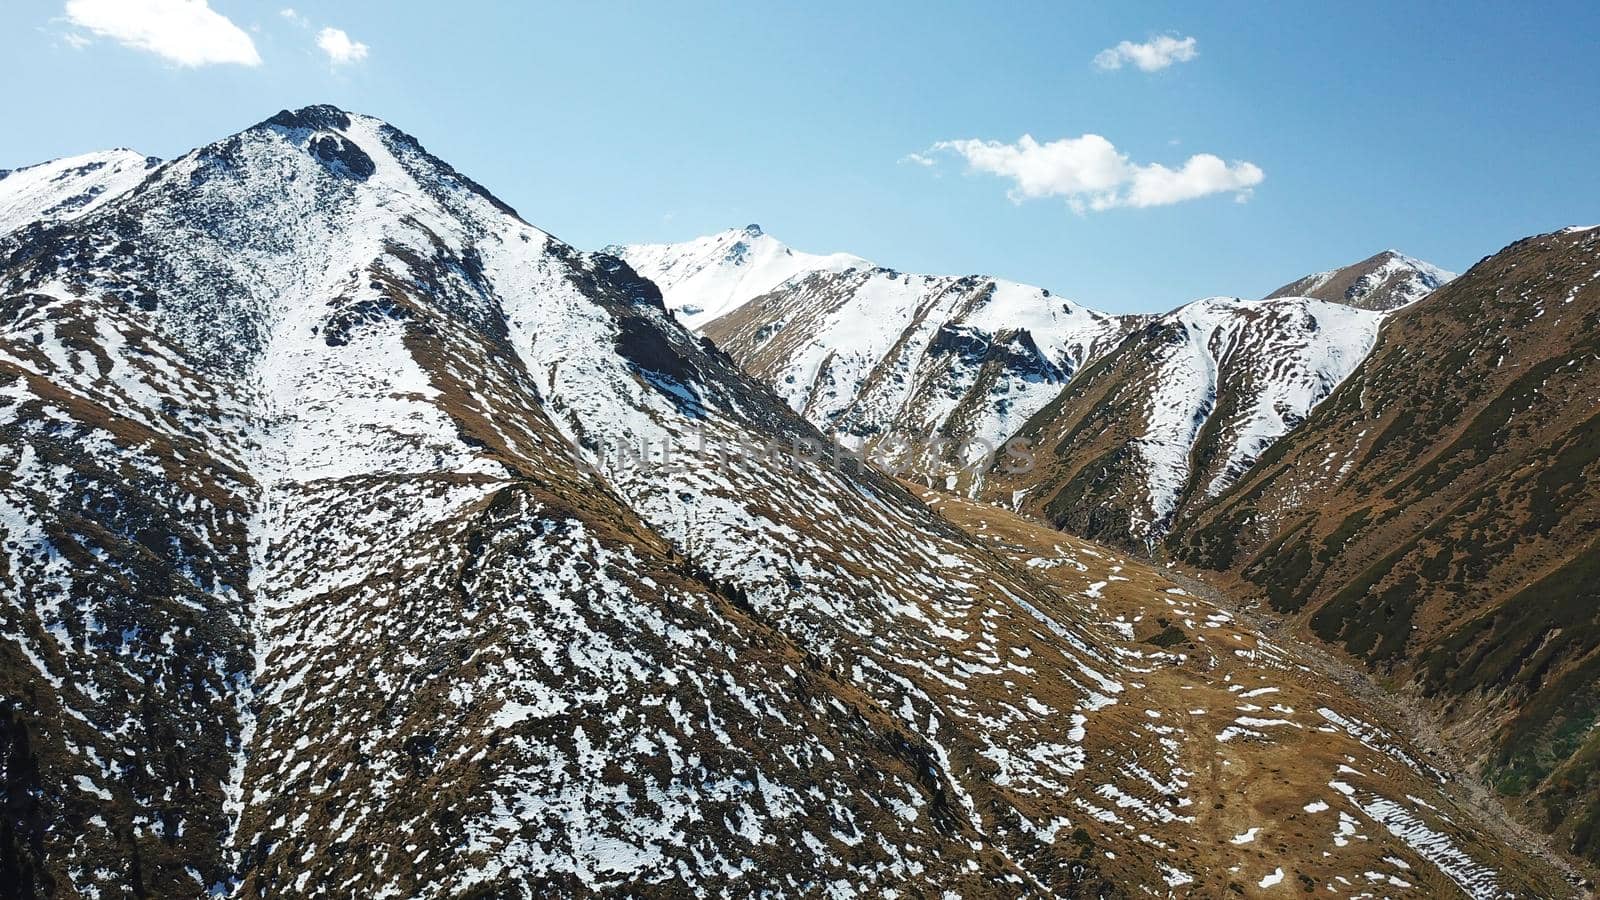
(1438, 516)
(1217, 679)
(1088, 478)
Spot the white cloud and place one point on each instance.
(340, 48)
(187, 32)
(1202, 175)
(1154, 54)
(1091, 174)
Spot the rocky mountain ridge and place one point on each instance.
(1179, 411)
(928, 375)
(64, 189)
(935, 377)
(712, 276)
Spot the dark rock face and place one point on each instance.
(343, 157)
(339, 326)
(1012, 350)
(312, 118)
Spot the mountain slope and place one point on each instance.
(64, 189)
(363, 539)
(410, 372)
(927, 374)
(1437, 516)
(1250, 704)
(716, 274)
(1179, 411)
(1381, 282)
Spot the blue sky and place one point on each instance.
(1446, 131)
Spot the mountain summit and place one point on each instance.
(712, 276)
(1381, 282)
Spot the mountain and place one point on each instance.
(927, 374)
(1179, 411)
(716, 274)
(932, 375)
(64, 189)
(360, 538)
(1385, 281)
(1437, 516)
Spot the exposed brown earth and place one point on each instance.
(1212, 664)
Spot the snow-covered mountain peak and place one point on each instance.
(63, 189)
(1393, 262)
(1384, 281)
(711, 276)
(348, 145)
(302, 205)
(339, 140)
(1402, 258)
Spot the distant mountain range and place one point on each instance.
(714, 275)
(892, 363)
(931, 374)
(360, 538)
